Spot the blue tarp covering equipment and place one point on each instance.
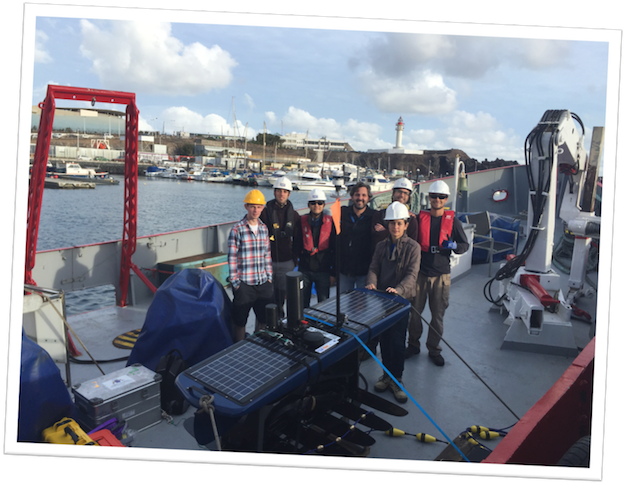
(190, 312)
(44, 398)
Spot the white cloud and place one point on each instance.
(419, 139)
(414, 73)
(145, 126)
(360, 135)
(249, 101)
(540, 53)
(181, 118)
(140, 56)
(270, 116)
(41, 55)
(481, 136)
(423, 93)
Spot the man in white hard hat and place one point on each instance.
(281, 218)
(402, 191)
(313, 245)
(394, 268)
(440, 233)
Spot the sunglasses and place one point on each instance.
(439, 196)
(316, 202)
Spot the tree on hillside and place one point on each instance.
(184, 149)
(270, 139)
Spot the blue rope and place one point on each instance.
(395, 380)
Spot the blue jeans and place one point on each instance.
(322, 286)
(351, 282)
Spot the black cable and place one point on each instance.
(463, 361)
(538, 195)
(91, 362)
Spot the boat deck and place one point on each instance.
(452, 396)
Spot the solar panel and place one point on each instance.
(361, 309)
(247, 370)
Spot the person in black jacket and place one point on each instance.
(280, 218)
(313, 244)
(355, 241)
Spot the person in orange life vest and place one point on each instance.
(313, 244)
(402, 190)
(440, 233)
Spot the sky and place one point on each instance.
(466, 90)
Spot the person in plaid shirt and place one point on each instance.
(249, 261)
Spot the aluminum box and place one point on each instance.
(132, 394)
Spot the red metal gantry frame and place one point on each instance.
(37, 181)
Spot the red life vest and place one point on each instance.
(324, 234)
(447, 225)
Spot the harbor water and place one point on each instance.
(79, 217)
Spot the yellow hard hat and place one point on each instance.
(254, 197)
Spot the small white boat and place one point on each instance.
(154, 171)
(75, 170)
(264, 181)
(269, 179)
(377, 182)
(208, 174)
(215, 177)
(323, 183)
(174, 172)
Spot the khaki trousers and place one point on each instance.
(436, 290)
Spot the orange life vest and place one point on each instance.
(447, 225)
(324, 234)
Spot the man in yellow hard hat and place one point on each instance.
(249, 261)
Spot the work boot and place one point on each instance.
(412, 351)
(382, 384)
(399, 394)
(437, 359)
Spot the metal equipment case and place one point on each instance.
(132, 394)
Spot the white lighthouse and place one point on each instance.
(400, 130)
(398, 148)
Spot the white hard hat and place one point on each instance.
(403, 183)
(283, 183)
(396, 211)
(316, 194)
(439, 186)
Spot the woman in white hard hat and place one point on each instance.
(313, 244)
(394, 269)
